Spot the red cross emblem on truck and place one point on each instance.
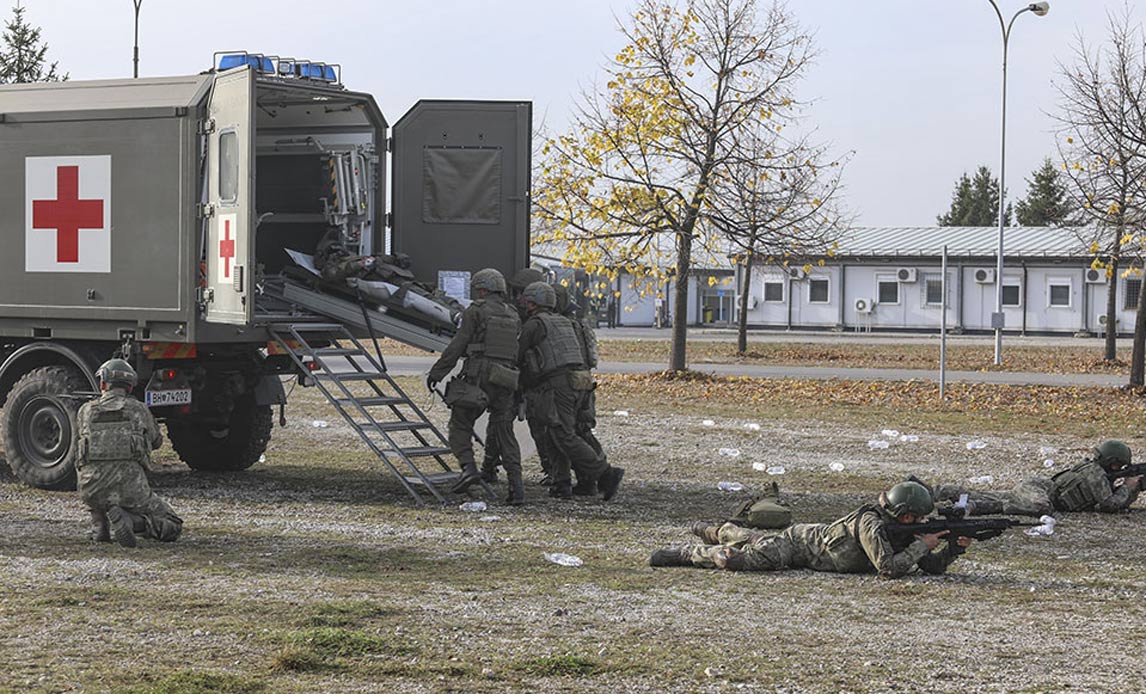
(67, 214)
(227, 248)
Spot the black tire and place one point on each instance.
(215, 447)
(40, 426)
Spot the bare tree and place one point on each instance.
(774, 203)
(1103, 146)
(641, 157)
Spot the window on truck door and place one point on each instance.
(229, 167)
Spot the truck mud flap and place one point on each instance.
(269, 391)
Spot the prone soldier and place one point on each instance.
(857, 543)
(487, 339)
(1089, 486)
(116, 436)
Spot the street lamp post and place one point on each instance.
(135, 60)
(997, 318)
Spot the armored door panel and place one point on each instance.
(461, 188)
(230, 193)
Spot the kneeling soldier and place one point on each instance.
(116, 436)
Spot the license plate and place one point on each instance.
(163, 398)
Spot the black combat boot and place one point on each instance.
(120, 525)
(470, 475)
(561, 490)
(100, 532)
(671, 556)
(585, 488)
(610, 482)
(516, 488)
(489, 471)
(707, 532)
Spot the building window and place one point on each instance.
(1012, 293)
(818, 291)
(774, 291)
(1132, 289)
(888, 287)
(933, 289)
(1058, 292)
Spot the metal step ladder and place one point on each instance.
(373, 404)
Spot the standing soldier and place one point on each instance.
(586, 419)
(116, 436)
(487, 339)
(551, 358)
(517, 284)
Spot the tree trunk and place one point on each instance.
(1112, 313)
(678, 359)
(742, 319)
(1139, 351)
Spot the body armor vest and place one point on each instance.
(560, 348)
(1071, 490)
(588, 340)
(111, 436)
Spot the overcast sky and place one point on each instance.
(912, 86)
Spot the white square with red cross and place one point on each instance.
(67, 215)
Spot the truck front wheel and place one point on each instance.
(214, 446)
(40, 426)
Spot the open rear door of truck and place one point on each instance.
(230, 194)
(461, 174)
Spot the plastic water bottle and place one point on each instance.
(730, 452)
(320, 424)
(909, 438)
(759, 467)
(730, 487)
(564, 559)
(1048, 463)
(620, 413)
(1047, 527)
(473, 506)
(776, 470)
(890, 433)
(982, 479)
(752, 426)
(976, 445)
(708, 423)
(836, 467)
(876, 444)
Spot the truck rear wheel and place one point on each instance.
(218, 447)
(40, 426)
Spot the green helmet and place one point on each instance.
(117, 372)
(907, 497)
(541, 294)
(488, 279)
(1112, 454)
(562, 294)
(525, 277)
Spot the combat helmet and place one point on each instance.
(907, 497)
(117, 372)
(541, 294)
(488, 279)
(525, 277)
(1112, 454)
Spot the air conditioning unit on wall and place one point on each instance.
(796, 273)
(905, 274)
(865, 305)
(1101, 320)
(752, 301)
(985, 275)
(1095, 275)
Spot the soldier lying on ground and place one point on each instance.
(1084, 487)
(856, 543)
(116, 436)
(337, 265)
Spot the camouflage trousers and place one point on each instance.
(555, 404)
(124, 484)
(755, 550)
(499, 437)
(1031, 497)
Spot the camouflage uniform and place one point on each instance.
(1083, 487)
(116, 436)
(536, 427)
(855, 543)
(586, 419)
(337, 265)
(487, 336)
(548, 354)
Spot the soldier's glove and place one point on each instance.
(369, 263)
(431, 383)
(521, 410)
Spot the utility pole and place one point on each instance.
(135, 60)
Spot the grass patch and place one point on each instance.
(296, 659)
(336, 642)
(561, 666)
(192, 682)
(343, 614)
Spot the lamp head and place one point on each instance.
(1039, 8)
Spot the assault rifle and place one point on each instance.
(1128, 471)
(956, 526)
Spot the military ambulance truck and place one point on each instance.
(172, 221)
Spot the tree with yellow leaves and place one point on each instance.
(774, 203)
(1102, 141)
(640, 161)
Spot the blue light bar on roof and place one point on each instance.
(260, 63)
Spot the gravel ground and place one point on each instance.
(448, 601)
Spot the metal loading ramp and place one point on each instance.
(384, 417)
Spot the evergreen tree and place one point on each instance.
(23, 56)
(1045, 204)
(975, 202)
